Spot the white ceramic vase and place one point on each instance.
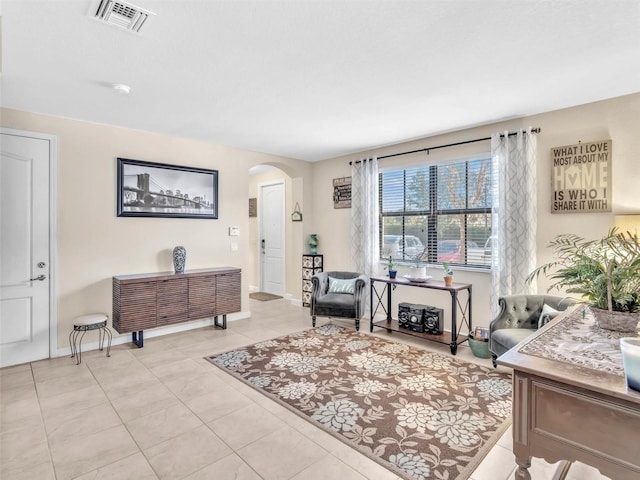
(417, 272)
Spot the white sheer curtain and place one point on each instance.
(514, 215)
(364, 215)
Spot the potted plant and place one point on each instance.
(448, 274)
(418, 271)
(606, 272)
(391, 266)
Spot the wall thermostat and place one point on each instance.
(234, 231)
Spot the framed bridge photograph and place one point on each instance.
(147, 189)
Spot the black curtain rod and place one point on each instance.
(533, 130)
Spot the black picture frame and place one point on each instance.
(149, 189)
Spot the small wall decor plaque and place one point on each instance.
(581, 178)
(296, 216)
(342, 192)
(253, 207)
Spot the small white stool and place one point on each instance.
(84, 323)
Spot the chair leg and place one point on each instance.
(313, 320)
(357, 324)
(494, 357)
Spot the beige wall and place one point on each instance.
(617, 119)
(93, 244)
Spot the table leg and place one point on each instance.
(454, 322)
(522, 472)
(563, 470)
(469, 309)
(222, 325)
(389, 316)
(371, 291)
(137, 338)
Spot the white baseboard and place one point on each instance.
(293, 301)
(152, 333)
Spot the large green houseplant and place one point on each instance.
(606, 272)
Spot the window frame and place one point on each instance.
(433, 213)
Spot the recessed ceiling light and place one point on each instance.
(121, 88)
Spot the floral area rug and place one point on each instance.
(422, 415)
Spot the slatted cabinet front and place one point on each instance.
(202, 297)
(134, 306)
(227, 298)
(147, 301)
(173, 303)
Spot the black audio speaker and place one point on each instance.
(433, 320)
(410, 316)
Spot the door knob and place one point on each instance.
(39, 277)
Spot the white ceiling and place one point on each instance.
(318, 79)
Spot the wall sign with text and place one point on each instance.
(581, 178)
(342, 192)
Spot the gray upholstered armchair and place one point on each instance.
(519, 317)
(338, 294)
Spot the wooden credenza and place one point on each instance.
(151, 300)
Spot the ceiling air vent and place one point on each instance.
(122, 14)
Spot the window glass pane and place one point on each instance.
(479, 235)
(479, 194)
(451, 186)
(415, 230)
(392, 191)
(392, 243)
(417, 193)
(449, 233)
(404, 246)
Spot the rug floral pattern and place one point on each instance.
(423, 415)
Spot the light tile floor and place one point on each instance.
(163, 412)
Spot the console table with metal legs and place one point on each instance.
(381, 295)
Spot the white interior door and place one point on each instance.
(272, 238)
(24, 248)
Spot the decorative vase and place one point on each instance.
(417, 272)
(179, 259)
(393, 273)
(313, 243)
